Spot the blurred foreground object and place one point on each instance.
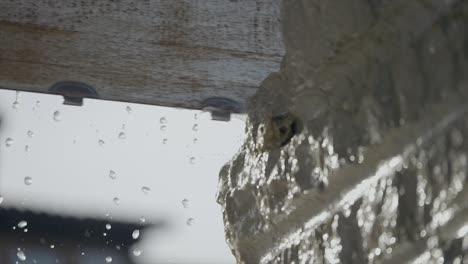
(44, 238)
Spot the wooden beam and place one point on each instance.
(172, 53)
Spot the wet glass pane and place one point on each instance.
(111, 182)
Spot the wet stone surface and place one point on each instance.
(319, 115)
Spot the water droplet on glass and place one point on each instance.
(16, 102)
(108, 226)
(26, 148)
(52, 246)
(142, 219)
(137, 252)
(15, 105)
(190, 221)
(9, 142)
(192, 160)
(57, 116)
(347, 210)
(129, 109)
(101, 142)
(377, 251)
(195, 127)
(165, 141)
(185, 203)
(22, 224)
(28, 181)
(117, 200)
(145, 190)
(136, 234)
(1, 199)
(38, 103)
(195, 140)
(25, 230)
(163, 128)
(108, 259)
(163, 120)
(122, 135)
(423, 233)
(112, 175)
(21, 256)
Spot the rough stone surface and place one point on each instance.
(357, 149)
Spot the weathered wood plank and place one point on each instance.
(174, 53)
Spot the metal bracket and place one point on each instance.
(73, 92)
(221, 108)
